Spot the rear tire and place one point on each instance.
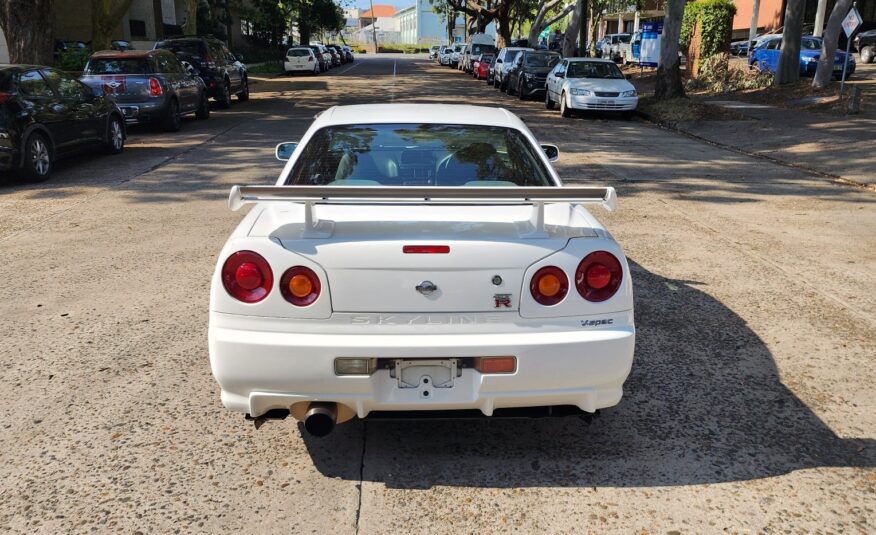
(520, 94)
(509, 88)
(203, 111)
(173, 120)
(38, 162)
(868, 53)
(115, 135)
(224, 99)
(243, 96)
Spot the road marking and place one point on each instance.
(350, 68)
(392, 90)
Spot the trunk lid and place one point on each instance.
(368, 270)
(122, 88)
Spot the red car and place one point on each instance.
(483, 66)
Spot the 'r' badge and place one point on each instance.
(503, 300)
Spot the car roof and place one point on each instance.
(118, 54)
(592, 60)
(418, 113)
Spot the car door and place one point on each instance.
(45, 107)
(233, 72)
(84, 121)
(555, 79)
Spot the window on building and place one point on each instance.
(138, 28)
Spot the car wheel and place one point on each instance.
(520, 94)
(37, 158)
(315, 70)
(243, 96)
(548, 103)
(224, 99)
(115, 135)
(565, 111)
(509, 89)
(203, 111)
(867, 54)
(173, 120)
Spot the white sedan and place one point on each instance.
(300, 59)
(589, 84)
(417, 257)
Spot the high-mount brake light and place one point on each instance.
(300, 286)
(549, 285)
(247, 277)
(598, 276)
(426, 249)
(154, 87)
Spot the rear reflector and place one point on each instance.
(355, 366)
(496, 364)
(426, 249)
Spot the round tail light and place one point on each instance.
(247, 277)
(549, 285)
(300, 286)
(598, 276)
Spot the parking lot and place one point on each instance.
(751, 406)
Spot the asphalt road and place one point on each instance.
(751, 407)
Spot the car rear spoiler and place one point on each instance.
(423, 195)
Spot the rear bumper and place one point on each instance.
(262, 364)
(142, 112)
(307, 67)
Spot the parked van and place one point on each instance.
(479, 43)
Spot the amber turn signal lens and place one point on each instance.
(549, 285)
(300, 286)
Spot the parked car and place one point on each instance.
(456, 57)
(348, 52)
(528, 73)
(739, 48)
(504, 60)
(223, 74)
(65, 47)
(122, 45)
(149, 86)
(482, 66)
(433, 51)
(611, 45)
(334, 55)
(445, 55)
(477, 44)
(589, 84)
(530, 296)
(766, 57)
(491, 70)
(322, 57)
(865, 44)
(341, 54)
(46, 114)
(301, 59)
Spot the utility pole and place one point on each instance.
(819, 18)
(373, 24)
(752, 32)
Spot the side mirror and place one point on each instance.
(552, 152)
(560, 74)
(284, 151)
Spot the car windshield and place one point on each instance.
(593, 69)
(190, 47)
(541, 60)
(624, 38)
(419, 155)
(480, 49)
(298, 52)
(118, 66)
(811, 44)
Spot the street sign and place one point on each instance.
(649, 53)
(852, 21)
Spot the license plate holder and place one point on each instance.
(426, 374)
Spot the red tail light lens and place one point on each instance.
(4, 97)
(247, 277)
(598, 276)
(549, 285)
(300, 286)
(426, 249)
(154, 87)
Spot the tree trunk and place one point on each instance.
(592, 26)
(824, 72)
(503, 24)
(451, 25)
(28, 33)
(191, 25)
(669, 72)
(570, 39)
(788, 70)
(105, 18)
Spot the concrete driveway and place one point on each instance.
(751, 407)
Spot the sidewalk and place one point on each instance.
(836, 146)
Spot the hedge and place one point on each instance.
(715, 18)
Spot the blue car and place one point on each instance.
(766, 56)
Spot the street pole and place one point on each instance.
(846, 61)
(373, 24)
(752, 32)
(819, 18)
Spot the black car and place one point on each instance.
(221, 71)
(865, 44)
(528, 74)
(46, 114)
(150, 86)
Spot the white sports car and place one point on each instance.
(419, 257)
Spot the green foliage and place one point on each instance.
(272, 67)
(716, 20)
(404, 49)
(73, 60)
(717, 75)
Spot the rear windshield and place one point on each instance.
(298, 52)
(190, 47)
(419, 155)
(593, 69)
(541, 60)
(118, 66)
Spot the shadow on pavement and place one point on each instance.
(704, 404)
